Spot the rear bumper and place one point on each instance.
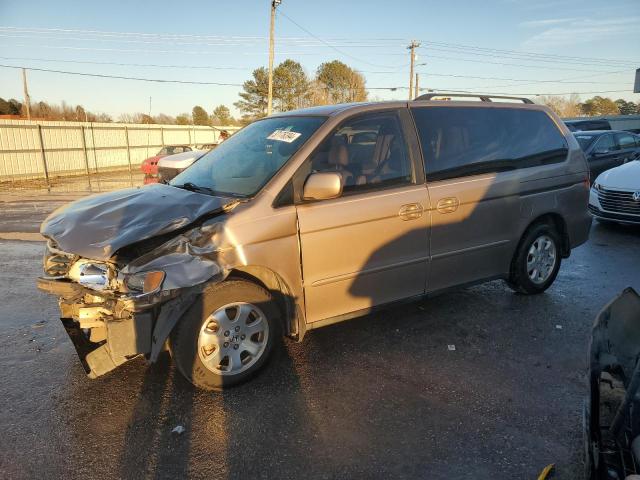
(579, 228)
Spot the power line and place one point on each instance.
(527, 54)
(513, 79)
(568, 61)
(120, 77)
(155, 51)
(353, 42)
(192, 82)
(329, 45)
(484, 61)
(173, 36)
(192, 52)
(120, 64)
(212, 67)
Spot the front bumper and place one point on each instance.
(597, 211)
(615, 217)
(106, 331)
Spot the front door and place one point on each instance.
(369, 246)
(606, 154)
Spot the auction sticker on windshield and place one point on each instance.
(284, 136)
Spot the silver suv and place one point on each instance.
(311, 217)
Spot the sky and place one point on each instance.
(523, 47)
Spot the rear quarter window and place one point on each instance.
(459, 141)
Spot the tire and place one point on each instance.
(524, 277)
(227, 335)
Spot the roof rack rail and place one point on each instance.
(484, 98)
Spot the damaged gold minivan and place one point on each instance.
(310, 217)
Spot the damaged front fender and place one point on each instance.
(199, 255)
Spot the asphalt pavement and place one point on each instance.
(384, 396)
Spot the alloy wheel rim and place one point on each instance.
(233, 338)
(541, 259)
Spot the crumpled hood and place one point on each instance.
(97, 226)
(625, 177)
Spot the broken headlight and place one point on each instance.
(90, 274)
(144, 282)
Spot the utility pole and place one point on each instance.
(274, 5)
(417, 87)
(27, 99)
(412, 47)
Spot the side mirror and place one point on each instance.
(599, 153)
(322, 186)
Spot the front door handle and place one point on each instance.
(410, 211)
(448, 205)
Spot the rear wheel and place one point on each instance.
(227, 335)
(537, 260)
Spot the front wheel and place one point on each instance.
(537, 260)
(227, 335)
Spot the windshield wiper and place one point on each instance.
(192, 187)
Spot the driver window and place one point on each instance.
(605, 144)
(369, 152)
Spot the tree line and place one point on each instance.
(334, 82)
(65, 112)
(47, 111)
(572, 106)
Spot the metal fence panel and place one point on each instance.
(45, 154)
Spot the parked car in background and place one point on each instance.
(615, 195)
(311, 217)
(149, 166)
(626, 123)
(586, 125)
(172, 165)
(607, 149)
(206, 146)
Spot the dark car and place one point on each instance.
(607, 149)
(587, 125)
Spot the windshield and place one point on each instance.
(585, 140)
(242, 164)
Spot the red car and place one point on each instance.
(150, 165)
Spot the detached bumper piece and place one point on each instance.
(104, 333)
(104, 347)
(612, 410)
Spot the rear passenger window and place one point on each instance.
(368, 151)
(626, 141)
(458, 141)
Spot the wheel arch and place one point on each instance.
(558, 222)
(292, 319)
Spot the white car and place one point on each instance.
(172, 165)
(615, 195)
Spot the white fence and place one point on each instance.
(44, 150)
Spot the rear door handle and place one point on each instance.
(448, 205)
(410, 211)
